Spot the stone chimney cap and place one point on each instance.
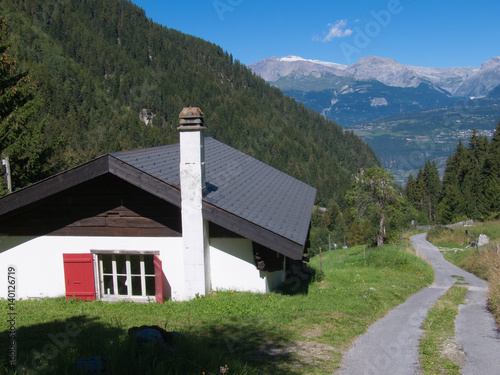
(191, 118)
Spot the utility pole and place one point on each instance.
(7, 173)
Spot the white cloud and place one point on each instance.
(337, 30)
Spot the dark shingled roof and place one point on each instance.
(244, 195)
(239, 184)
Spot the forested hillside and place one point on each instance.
(109, 79)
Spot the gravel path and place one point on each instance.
(390, 346)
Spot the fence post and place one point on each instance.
(7, 173)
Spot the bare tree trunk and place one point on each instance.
(380, 234)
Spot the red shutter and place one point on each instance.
(158, 279)
(79, 276)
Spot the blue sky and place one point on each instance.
(438, 33)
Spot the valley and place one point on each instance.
(404, 142)
(406, 114)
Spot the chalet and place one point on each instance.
(174, 221)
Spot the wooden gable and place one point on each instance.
(103, 206)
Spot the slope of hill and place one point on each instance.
(111, 79)
(369, 100)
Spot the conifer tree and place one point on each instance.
(15, 90)
(410, 190)
(452, 204)
(491, 177)
(473, 183)
(21, 139)
(420, 191)
(432, 189)
(449, 206)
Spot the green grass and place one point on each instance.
(250, 333)
(444, 237)
(457, 238)
(438, 353)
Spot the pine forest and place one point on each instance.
(105, 78)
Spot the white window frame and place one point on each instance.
(100, 275)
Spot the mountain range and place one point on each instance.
(458, 81)
(400, 110)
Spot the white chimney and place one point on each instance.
(192, 179)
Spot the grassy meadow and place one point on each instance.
(227, 331)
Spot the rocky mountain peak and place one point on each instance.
(458, 81)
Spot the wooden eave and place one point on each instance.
(252, 231)
(23, 199)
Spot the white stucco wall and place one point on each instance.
(233, 267)
(40, 269)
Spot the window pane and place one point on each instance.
(150, 285)
(122, 285)
(136, 286)
(148, 264)
(135, 264)
(108, 286)
(120, 265)
(106, 263)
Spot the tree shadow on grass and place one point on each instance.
(51, 348)
(263, 349)
(246, 347)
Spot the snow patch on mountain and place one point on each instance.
(377, 102)
(294, 66)
(325, 63)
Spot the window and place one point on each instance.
(121, 275)
(127, 275)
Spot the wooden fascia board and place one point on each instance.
(53, 185)
(144, 181)
(252, 231)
